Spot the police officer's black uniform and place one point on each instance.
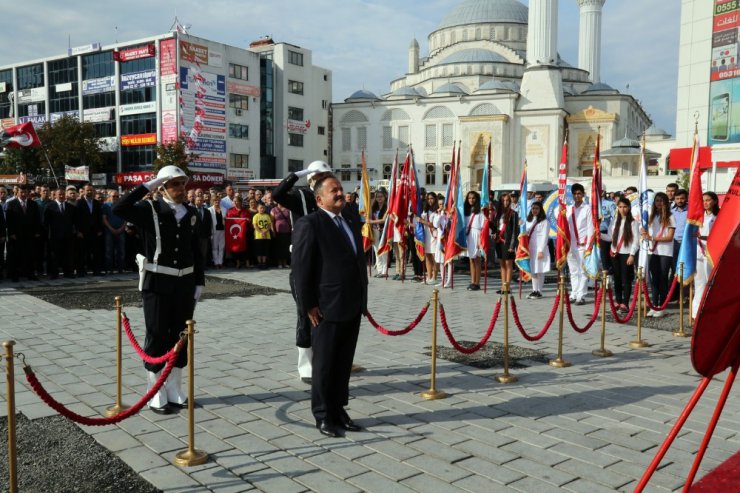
(168, 295)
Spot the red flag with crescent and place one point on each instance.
(236, 234)
(23, 135)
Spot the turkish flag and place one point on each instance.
(236, 234)
(23, 135)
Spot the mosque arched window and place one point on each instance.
(477, 33)
(452, 37)
(493, 34)
(465, 35)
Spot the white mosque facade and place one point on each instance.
(493, 74)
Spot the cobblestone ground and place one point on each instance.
(591, 427)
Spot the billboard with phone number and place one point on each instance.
(724, 91)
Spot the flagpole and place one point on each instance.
(51, 167)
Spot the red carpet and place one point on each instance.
(725, 478)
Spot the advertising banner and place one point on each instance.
(167, 58)
(198, 180)
(81, 50)
(297, 126)
(215, 59)
(53, 117)
(102, 84)
(724, 91)
(137, 80)
(3, 87)
(193, 53)
(99, 179)
(37, 120)
(96, 115)
(138, 140)
(243, 89)
(32, 95)
(79, 173)
(137, 108)
(6, 122)
(128, 54)
(169, 126)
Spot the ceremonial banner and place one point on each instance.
(236, 234)
(365, 208)
(522, 251)
(644, 209)
(384, 244)
(416, 203)
(694, 219)
(484, 243)
(592, 255)
(457, 240)
(562, 245)
(23, 135)
(726, 222)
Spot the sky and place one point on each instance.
(363, 42)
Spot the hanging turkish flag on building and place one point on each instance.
(23, 135)
(236, 234)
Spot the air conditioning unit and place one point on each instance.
(238, 111)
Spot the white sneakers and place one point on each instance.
(159, 401)
(655, 313)
(173, 388)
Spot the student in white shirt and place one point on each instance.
(440, 223)
(624, 236)
(428, 218)
(474, 220)
(538, 230)
(662, 226)
(711, 209)
(581, 228)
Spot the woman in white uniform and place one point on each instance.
(377, 219)
(538, 230)
(711, 209)
(428, 218)
(474, 221)
(440, 223)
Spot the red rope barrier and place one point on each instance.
(544, 330)
(78, 418)
(594, 315)
(401, 332)
(613, 307)
(152, 360)
(667, 298)
(481, 343)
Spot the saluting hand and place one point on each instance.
(315, 316)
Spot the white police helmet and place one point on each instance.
(315, 168)
(171, 172)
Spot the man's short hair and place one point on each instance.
(319, 183)
(25, 186)
(681, 191)
(71, 187)
(630, 190)
(577, 187)
(672, 185)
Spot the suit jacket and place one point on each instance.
(89, 223)
(3, 224)
(294, 200)
(58, 225)
(180, 241)
(23, 224)
(327, 271)
(206, 222)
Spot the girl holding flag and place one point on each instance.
(440, 224)
(508, 232)
(661, 226)
(623, 235)
(428, 218)
(538, 230)
(474, 220)
(377, 218)
(711, 209)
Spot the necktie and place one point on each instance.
(23, 206)
(339, 221)
(61, 207)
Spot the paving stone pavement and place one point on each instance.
(592, 427)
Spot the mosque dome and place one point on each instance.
(405, 92)
(600, 88)
(453, 89)
(485, 11)
(361, 95)
(495, 85)
(473, 55)
(654, 131)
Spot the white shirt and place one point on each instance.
(180, 209)
(664, 248)
(706, 228)
(624, 248)
(583, 225)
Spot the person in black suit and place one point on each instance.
(24, 230)
(89, 225)
(331, 289)
(59, 230)
(172, 282)
(3, 228)
(206, 225)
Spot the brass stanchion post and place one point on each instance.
(559, 362)
(506, 377)
(639, 343)
(191, 456)
(433, 393)
(10, 375)
(680, 332)
(118, 406)
(602, 352)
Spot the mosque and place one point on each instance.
(493, 74)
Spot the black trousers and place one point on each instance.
(624, 276)
(660, 271)
(89, 254)
(303, 324)
(334, 346)
(606, 258)
(165, 316)
(21, 260)
(60, 253)
(2, 258)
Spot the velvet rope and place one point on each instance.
(667, 297)
(481, 343)
(84, 420)
(594, 315)
(401, 332)
(613, 307)
(152, 360)
(548, 323)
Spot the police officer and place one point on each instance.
(171, 273)
(301, 202)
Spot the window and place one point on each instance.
(324, 104)
(145, 123)
(295, 58)
(137, 157)
(238, 160)
(447, 135)
(321, 130)
(140, 95)
(295, 140)
(387, 170)
(295, 87)
(430, 138)
(139, 65)
(100, 100)
(326, 77)
(105, 129)
(431, 174)
(346, 139)
(31, 76)
(238, 71)
(238, 131)
(387, 138)
(295, 165)
(98, 65)
(403, 136)
(239, 101)
(6, 76)
(345, 175)
(64, 72)
(295, 113)
(446, 167)
(361, 138)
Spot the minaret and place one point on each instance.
(414, 57)
(542, 83)
(589, 38)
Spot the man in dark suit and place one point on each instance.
(331, 288)
(3, 228)
(206, 224)
(59, 230)
(89, 233)
(24, 230)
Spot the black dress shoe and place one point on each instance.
(347, 423)
(162, 410)
(306, 380)
(327, 429)
(184, 405)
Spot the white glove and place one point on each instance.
(302, 173)
(198, 292)
(154, 184)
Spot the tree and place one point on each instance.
(65, 142)
(174, 153)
